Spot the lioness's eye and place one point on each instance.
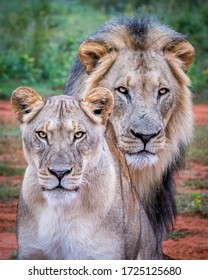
(122, 90)
(163, 91)
(79, 134)
(41, 134)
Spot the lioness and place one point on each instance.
(143, 63)
(76, 200)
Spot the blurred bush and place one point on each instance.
(39, 38)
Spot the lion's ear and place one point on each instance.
(98, 105)
(183, 51)
(26, 102)
(90, 52)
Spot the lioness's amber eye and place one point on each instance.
(41, 134)
(122, 90)
(79, 135)
(163, 91)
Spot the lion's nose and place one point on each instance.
(145, 138)
(59, 173)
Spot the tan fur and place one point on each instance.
(144, 57)
(92, 211)
(179, 110)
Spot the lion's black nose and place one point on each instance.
(145, 138)
(59, 173)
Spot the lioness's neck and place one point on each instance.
(104, 174)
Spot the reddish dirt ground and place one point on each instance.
(6, 113)
(193, 242)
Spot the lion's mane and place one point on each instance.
(147, 33)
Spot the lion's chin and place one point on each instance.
(141, 160)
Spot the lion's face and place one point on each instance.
(149, 85)
(146, 72)
(62, 137)
(145, 98)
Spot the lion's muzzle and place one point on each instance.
(145, 138)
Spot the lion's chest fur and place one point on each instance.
(63, 237)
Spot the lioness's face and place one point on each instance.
(61, 141)
(62, 137)
(144, 94)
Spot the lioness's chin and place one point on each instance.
(58, 196)
(60, 189)
(142, 160)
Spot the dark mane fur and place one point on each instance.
(162, 210)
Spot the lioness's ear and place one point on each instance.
(98, 104)
(26, 102)
(183, 51)
(90, 52)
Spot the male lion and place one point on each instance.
(76, 201)
(143, 63)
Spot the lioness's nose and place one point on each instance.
(145, 138)
(59, 173)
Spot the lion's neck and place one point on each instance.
(150, 176)
(156, 188)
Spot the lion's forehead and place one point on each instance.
(143, 73)
(142, 63)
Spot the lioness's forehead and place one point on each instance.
(62, 104)
(60, 111)
(53, 124)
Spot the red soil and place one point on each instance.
(8, 243)
(193, 242)
(201, 113)
(6, 113)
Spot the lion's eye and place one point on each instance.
(163, 91)
(79, 134)
(122, 90)
(42, 134)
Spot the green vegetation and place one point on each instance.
(13, 255)
(6, 170)
(196, 183)
(7, 193)
(10, 140)
(12, 161)
(10, 145)
(39, 42)
(198, 151)
(8, 131)
(193, 203)
(10, 181)
(176, 234)
(39, 38)
(197, 201)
